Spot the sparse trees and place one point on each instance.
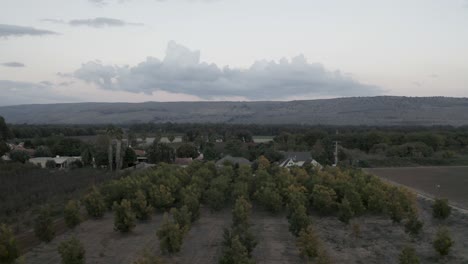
(72, 251)
(94, 203)
(441, 209)
(8, 247)
(72, 213)
(124, 218)
(443, 242)
(170, 236)
(43, 225)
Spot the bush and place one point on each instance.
(141, 207)
(124, 218)
(43, 225)
(443, 242)
(235, 253)
(323, 198)
(72, 213)
(170, 236)
(441, 209)
(94, 203)
(408, 256)
(8, 247)
(50, 164)
(215, 199)
(298, 220)
(345, 211)
(182, 217)
(308, 243)
(355, 202)
(413, 226)
(19, 156)
(72, 251)
(270, 198)
(161, 197)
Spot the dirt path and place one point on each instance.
(101, 242)
(203, 243)
(275, 243)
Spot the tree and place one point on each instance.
(141, 207)
(443, 242)
(187, 151)
(183, 218)
(171, 138)
(4, 130)
(72, 251)
(124, 218)
(308, 243)
(50, 164)
(235, 253)
(87, 155)
(161, 197)
(298, 220)
(170, 236)
(408, 256)
(345, 211)
(43, 225)
(72, 213)
(263, 163)
(323, 198)
(3, 148)
(43, 151)
(129, 157)
(94, 203)
(8, 247)
(441, 209)
(241, 212)
(160, 152)
(19, 156)
(270, 198)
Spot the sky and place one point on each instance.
(54, 51)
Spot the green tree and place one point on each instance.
(183, 218)
(161, 196)
(129, 157)
(408, 256)
(94, 203)
(241, 212)
(270, 198)
(43, 225)
(413, 226)
(8, 246)
(3, 148)
(160, 152)
(72, 251)
(323, 198)
(298, 220)
(355, 201)
(441, 209)
(19, 156)
(170, 236)
(4, 130)
(43, 151)
(345, 211)
(187, 151)
(124, 217)
(308, 243)
(72, 214)
(235, 253)
(141, 207)
(443, 242)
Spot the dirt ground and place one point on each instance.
(381, 241)
(447, 182)
(276, 245)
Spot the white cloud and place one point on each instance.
(14, 93)
(98, 22)
(182, 72)
(17, 31)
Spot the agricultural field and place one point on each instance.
(446, 182)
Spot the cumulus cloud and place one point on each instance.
(182, 72)
(97, 22)
(14, 93)
(17, 31)
(13, 64)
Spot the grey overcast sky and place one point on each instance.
(187, 50)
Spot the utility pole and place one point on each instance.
(336, 151)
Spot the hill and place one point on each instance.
(382, 110)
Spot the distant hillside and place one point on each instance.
(383, 110)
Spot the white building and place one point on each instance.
(60, 162)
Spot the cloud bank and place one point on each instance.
(98, 22)
(13, 64)
(18, 31)
(14, 93)
(182, 72)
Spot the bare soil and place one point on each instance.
(447, 182)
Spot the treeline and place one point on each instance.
(32, 131)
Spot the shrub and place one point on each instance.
(270, 198)
(441, 209)
(19, 156)
(72, 251)
(182, 217)
(215, 199)
(43, 225)
(235, 253)
(192, 202)
(141, 207)
(94, 203)
(408, 256)
(443, 242)
(298, 220)
(161, 197)
(308, 243)
(241, 212)
(124, 218)
(396, 211)
(345, 211)
(355, 202)
(72, 213)
(8, 247)
(413, 226)
(170, 236)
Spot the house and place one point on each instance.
(183, 162)
(60, 162)
(141, 155)
(298, 159)
(233, 160)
